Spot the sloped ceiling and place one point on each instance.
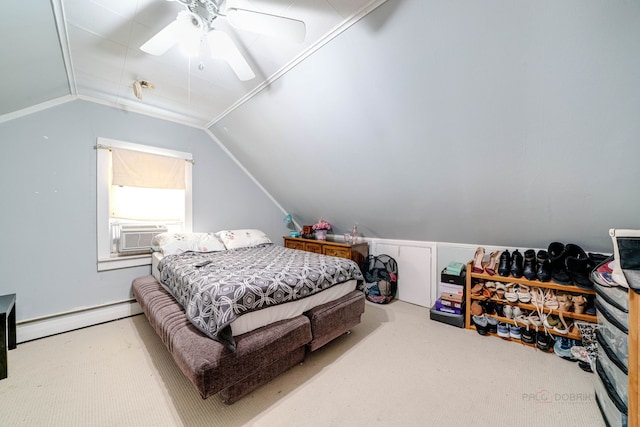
(95, 54)
(496, 122)
(499, 122)
(32, 66)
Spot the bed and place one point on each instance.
(235, 310)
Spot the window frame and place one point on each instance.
(105, 260)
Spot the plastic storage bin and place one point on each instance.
(613, 334)
(616, 376)
(613, 410)
(615, 295)
(621, 316)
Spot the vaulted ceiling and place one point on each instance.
(454, 121)
(90, 49)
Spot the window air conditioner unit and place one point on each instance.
(138, 237)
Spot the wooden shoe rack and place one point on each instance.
(473, 278)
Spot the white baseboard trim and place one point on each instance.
(35, 329)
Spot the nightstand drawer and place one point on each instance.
(336, 251)
(293, 244)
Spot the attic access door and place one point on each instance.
(414, 270)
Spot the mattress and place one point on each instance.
(257, 319)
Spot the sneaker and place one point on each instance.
(508, 311)
(562, 348)
(503, 330)
(528, 335)
(482, 326)
(580, 353)
(544, 341)
(514, 332)
(493, 324)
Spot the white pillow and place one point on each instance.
(177, 243)
(244, 238)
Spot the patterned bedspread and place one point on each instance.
(239, 281)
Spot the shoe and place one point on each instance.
(563, 327)
(514, 332)
(580, 353)
(476, 308)
(521, 320)
(516, 264)
(511, 294)
(550, 321)
(562, 348)
(503, 330)
(488, 291)
(477, 289)
(550, 300)
(507, 310)
(579, 303)
(490, 307)
(482, 326)
(477, 261)
(516, 312)
(505, 264)
(527, 335)
(579, 266)
(534, 320)
(500, 289)
(544, 341)
(492, 322)
(544, 266)
(530, 266)
(523, 294)
(557, 256)
(492, 265)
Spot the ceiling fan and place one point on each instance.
(196, 25)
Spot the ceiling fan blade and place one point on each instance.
(263, 23)
(223, 47)
(168, 36)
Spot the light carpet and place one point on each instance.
(397, 368)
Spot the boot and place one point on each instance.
(557, 256)
(516, 264)
(544, 266)
(530, 265)
(579, 266)
(505, 264)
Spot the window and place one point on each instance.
(139, 187)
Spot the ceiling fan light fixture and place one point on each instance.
(194, 28)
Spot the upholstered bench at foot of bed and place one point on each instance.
(330, 320)
(260, 355)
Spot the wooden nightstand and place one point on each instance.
(7, 330)
(357, 252)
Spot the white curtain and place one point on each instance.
(146, 187)
(138, 169)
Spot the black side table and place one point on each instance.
(7, 330)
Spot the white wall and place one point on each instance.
(48, 183)
(511, 123)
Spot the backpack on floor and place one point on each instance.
(381, 278)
